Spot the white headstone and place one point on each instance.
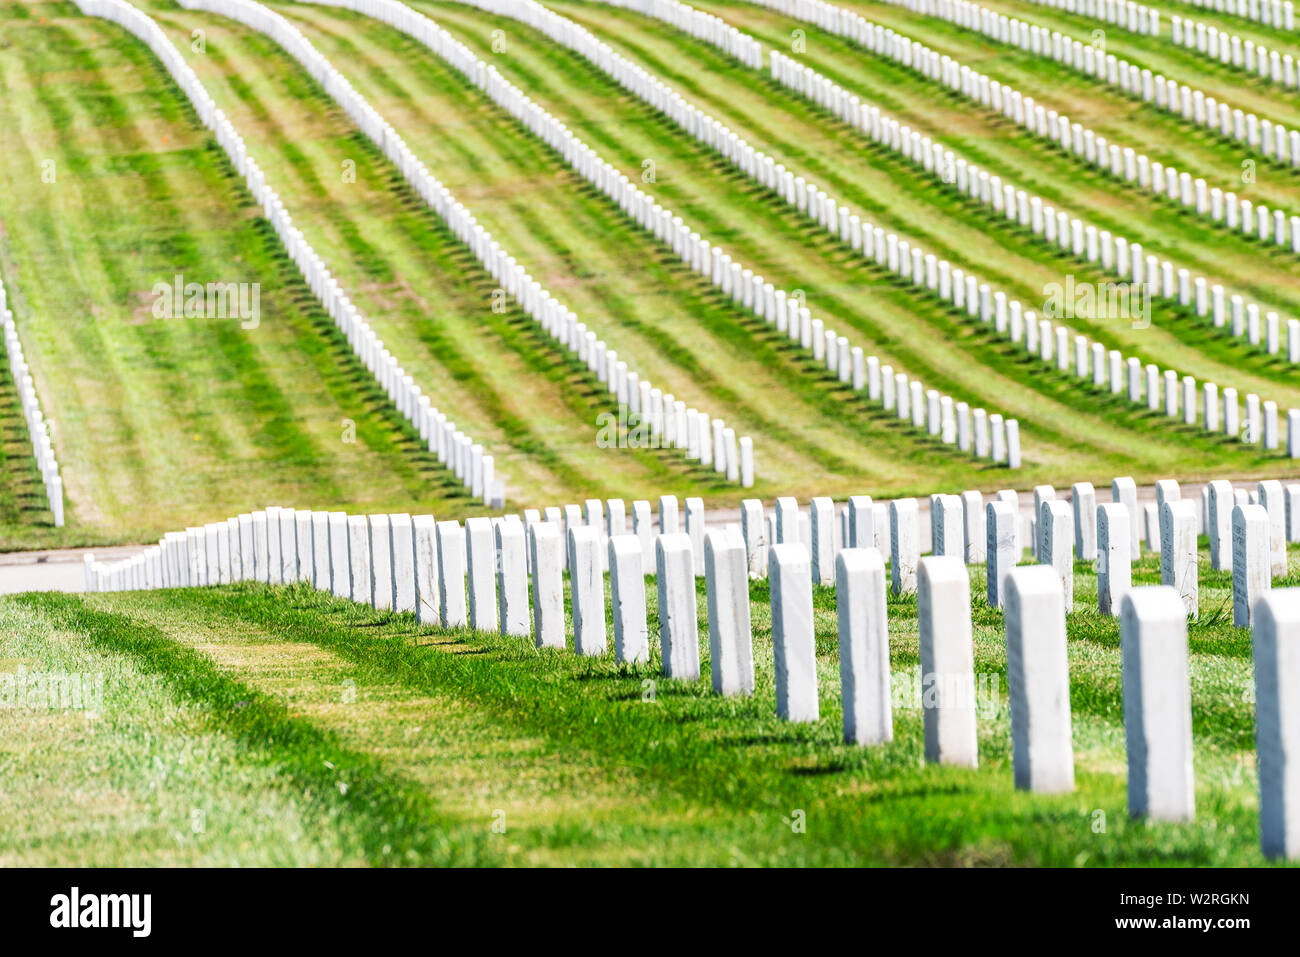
(904, 546)
(947, 662)
(1250, 561)
(1083, 497)
(790, 581)
(381, 562)
(1038, 678)
(546, 552)
(731, 641)
(627, 600)
(1178, 555)
(512, 578)
(1114, 561)
(1157, 704)
(1272, 497)
(753, 525)
(425, 548)
(972, 503)
(822, 518)
(679, 641)
(1055, 545)
(1001, 548)
(587, 591)
(401, 543)
(1277, 721)
(864, 646)
(1222, 500)
(1124, 491)
(358, 558)
(452, 603)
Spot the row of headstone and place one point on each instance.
(1272, 140)
(457, 451)
(478, 577)
(972, 431)
(701, 25)
(1231, 50)
(38, 429)
(1075, 238)
(1076, 140)
(1135, 17)
(1268, 12)
(669, 421)
(1055, 344)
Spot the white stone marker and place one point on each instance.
(787, 521)
(947, 527)
(695, 529)
(306, 551)
(1220, 530)
(1272, 497)
(1083, 497)
(587, 591)
(627, 600)
(822, 546)
(424, 531)
(546, 551)
(1038, 677)
(1178, 558)
(320, 551)
(904, 546)
(975, 537)
(452, 604)
(753, 526)
(402, 545)
(947, 662)
(358, 558)
(381, 562)
(1055, 547)
(643, 528)
(1157, 704)
(1001, 549)
(731, 638)
(271, 573)
(1114, 562)
(864, 646)
(790, 578)
(1277, 721)
(679, 636)
(512, 578)
(1124, 491)
(667, 514)
(1250, 563)
(481, 568)
(288, 547)
(862, 515)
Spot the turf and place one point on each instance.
(159, 424)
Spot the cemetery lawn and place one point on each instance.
(297, 728)
(163, 423)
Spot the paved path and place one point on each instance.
(60, 570)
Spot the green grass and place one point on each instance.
(159, 424)
(439, 735)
